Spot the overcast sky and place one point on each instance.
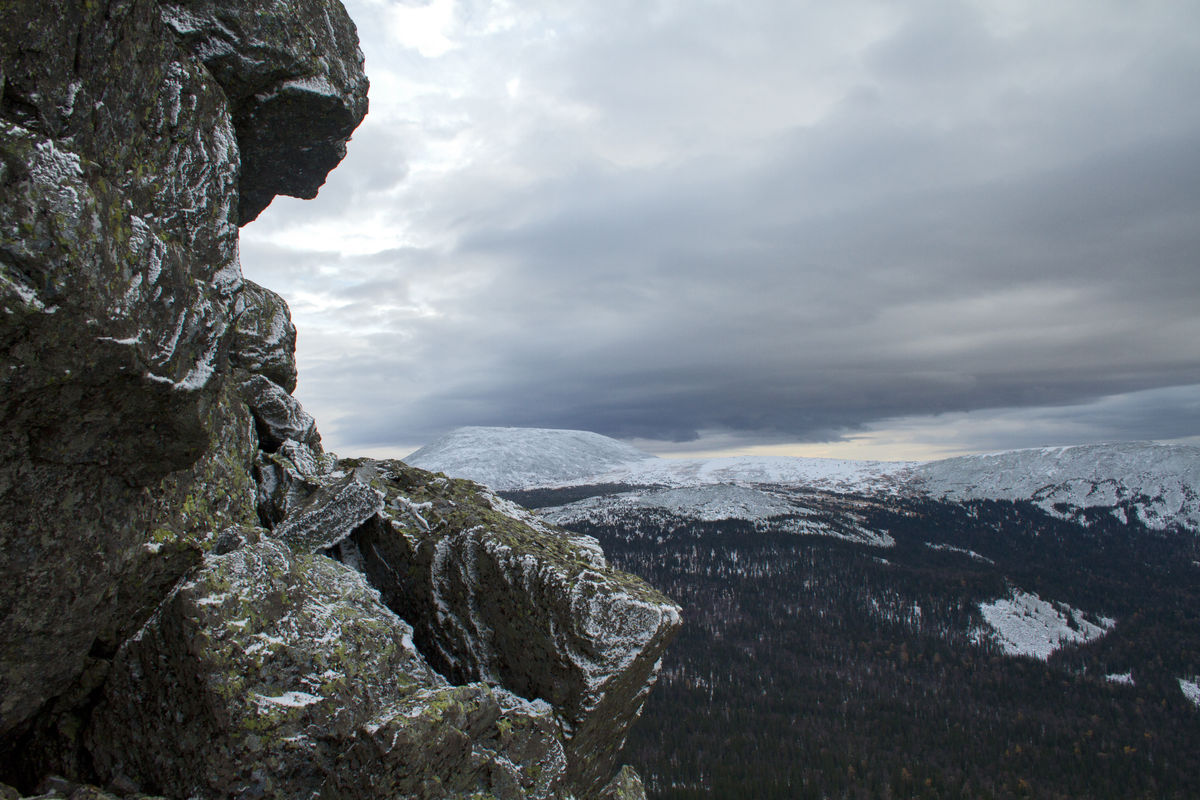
(864, 229)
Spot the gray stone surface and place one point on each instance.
(495, 594)
(283, 676)
(331, 513)
(264, 338)
(118, 265)
(171, 617)
(279, 416)
(625, 785)
(294, 76)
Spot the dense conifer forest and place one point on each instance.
(810, 667)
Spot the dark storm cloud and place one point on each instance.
(985, 214)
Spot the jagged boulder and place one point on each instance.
(281, 675)
(293, 73)
(336, 507)
(264, 338)
(625, 785)
(494, 594)
(279, 416)
(58, 788)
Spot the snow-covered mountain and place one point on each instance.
(520, 458)
(1159, 484)
(827, 474)
(526, 458)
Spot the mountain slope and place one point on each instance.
(506, 459)
(518, 458)
(1158, 482)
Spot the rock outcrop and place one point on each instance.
(498, 596)
(195, 599)
(293, 74)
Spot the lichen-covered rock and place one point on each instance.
(170, 618)
(496, 595)
(282, 676)
(264, 338)
(118, 265)
(293, 73)
(626, 785)
(84, 582)
(56, 787)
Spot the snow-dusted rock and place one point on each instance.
(627, 785)
(281, 675)
(331, 513)
(497, 595)
(280, 416)
(293, 73)
(58, 788)
(264, 338)
(154, 635)
(118, 266)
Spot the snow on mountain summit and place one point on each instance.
(1160, 481)
(521, 458)
(527, 458)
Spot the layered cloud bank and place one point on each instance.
(762, 223)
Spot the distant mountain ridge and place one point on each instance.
(1159, 484)
(519, 458)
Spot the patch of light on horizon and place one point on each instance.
(937, 436)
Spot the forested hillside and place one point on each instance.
(814, 667)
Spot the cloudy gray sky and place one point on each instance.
(865, 229)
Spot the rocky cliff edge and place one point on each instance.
(195, 599)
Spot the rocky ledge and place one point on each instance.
(195, 599)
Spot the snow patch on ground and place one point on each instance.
(1158, 484)
(1191, 688)
(830, 474)
(1120, 677)
(520, 458)
(949, 548)
(768, 508)
(505, 459)
(705, 504)
(1026, 625)
(287, 700)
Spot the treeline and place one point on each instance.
(812, 667)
